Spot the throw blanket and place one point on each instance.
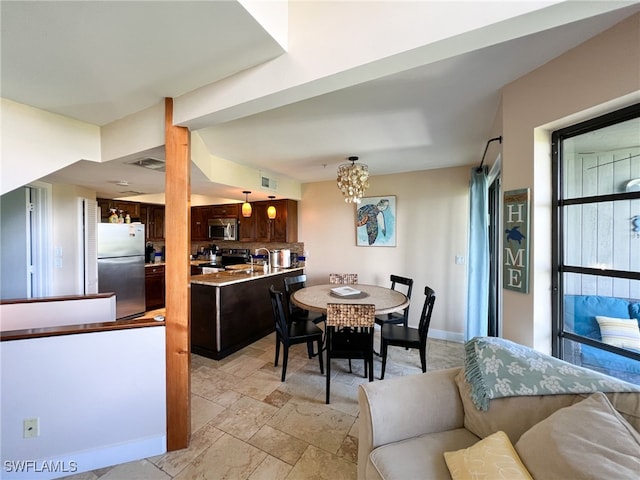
(495, 368)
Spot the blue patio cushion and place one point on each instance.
(634, 311)
(580, 312)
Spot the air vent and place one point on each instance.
(268, 183)
(150, 163)
(132, 193)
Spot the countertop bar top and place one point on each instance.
(221, 279)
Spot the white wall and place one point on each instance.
(601, 75)
(56, 313)
(432, 219)
(42, 141)
(66, 224)
(99, 398)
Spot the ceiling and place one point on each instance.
(100, 61)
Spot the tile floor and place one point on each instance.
(247, 424)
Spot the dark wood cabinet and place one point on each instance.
(247, 228)
(285, 225)
(200, 222)
(229, 210)
(154, 285)
(153, 218)
(259, 228)
(226, 318)
(106, 204)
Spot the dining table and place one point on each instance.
(316, 297)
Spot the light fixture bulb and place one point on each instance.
(246, 206)
(271, 210)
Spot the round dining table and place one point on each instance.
(316, 297)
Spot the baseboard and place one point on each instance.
(84, 461)
(446, 335)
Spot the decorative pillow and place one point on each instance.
(620, 332)
(587, 440)
(492, 457)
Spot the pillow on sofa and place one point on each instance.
(492, 457)
(619, 332)
(587, 440)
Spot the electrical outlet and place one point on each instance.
(459, 260)
(31, 427)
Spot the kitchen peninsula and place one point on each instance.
(230, 310)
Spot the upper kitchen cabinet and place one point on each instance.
(199, 222)
(259, 228)
(285, 225)
(229, 210)
(153, 218)
(106, 204)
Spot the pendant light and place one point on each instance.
(246, 206)
(353, 180)
(271, 210)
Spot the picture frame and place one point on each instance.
(376, 221)
(515, 275)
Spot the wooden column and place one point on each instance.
(177, 245)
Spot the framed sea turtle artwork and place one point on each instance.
(515, 274)
(376, 222)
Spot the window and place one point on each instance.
(596, 243)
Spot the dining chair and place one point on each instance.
(402, 317)
(292, 333)
(349, 335)
(409, 337)
(291, 285)
(343, 278)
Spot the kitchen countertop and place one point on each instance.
(221, 279)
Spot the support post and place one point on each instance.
(177, 273)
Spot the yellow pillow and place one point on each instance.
(492, 457)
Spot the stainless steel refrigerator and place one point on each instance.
(121, 266)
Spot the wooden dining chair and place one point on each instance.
(292, 333)
(402, 317)
(409, 337)
(291, 285)
(349, 335)
(343, 278)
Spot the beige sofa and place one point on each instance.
(407, 423)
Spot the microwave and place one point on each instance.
(223, 228)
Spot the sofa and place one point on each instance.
(581, 312)
(408, 423)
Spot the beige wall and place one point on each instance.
(432, 212)
(601, 75)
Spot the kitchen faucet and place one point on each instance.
(266, 262)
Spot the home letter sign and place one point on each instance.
(516, 240)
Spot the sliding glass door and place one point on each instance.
(596, 244)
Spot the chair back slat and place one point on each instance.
(427, 309)
(343, 278)
(279, 315)
(407, 282)
(291, 285)
(350, 315)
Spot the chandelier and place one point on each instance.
(353, 180)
